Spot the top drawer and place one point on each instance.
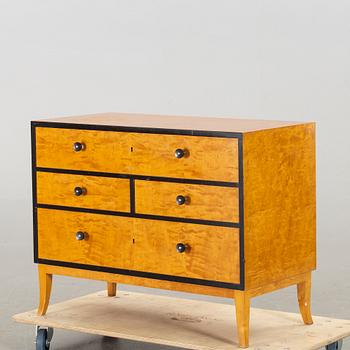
(206, 158)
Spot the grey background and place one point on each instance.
(286, 60)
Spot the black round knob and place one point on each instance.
(180, 200)
(78, 146)
(78, 191)
(181, 248)
(179, 153)
(80, 236)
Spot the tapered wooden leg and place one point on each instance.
(242, 301)
(111, 289)
(304, 299)
(45, 284)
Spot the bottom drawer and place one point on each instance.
(211, 252)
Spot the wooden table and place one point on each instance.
(184, 323)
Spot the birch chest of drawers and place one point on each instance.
(223, 207)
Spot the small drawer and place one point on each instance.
(189, 157)
(90, 150)
(160, 249)
(83, 191)
(168, 248)
(187, 200)
(90, 239)
(178, 156)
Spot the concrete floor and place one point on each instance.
(19, 292)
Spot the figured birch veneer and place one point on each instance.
(199, 200)
(215, 206)
(139, 244)
(137, 153)
(279, 203)
(97, 192)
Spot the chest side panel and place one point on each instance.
(279, 203)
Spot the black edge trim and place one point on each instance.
(140, 216)
(34, 197)
(132, 196)
(241, 214)
(144, 130)
(143, 274)
(190, 221)
(218, 284)
(139, 177)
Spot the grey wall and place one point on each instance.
(252, 59)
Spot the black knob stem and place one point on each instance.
(181, 248)
(78, 191)
(78, 146)
(180, 200)
(179, 153)
(80, 236)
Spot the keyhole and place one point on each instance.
(131, 149)
(133, 241)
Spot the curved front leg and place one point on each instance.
(45, 284)
(304, 299)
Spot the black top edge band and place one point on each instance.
(140, 216)
(140, 177)
(144, 130)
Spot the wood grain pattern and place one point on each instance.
(109, 238)
(208, 158)
(283, 283)
(142, 245)
(155, 250)
(202, 202)
(174, 122)
(105, 151)
(279, 204)
(100, 192)
(139, 281)
(185, 323)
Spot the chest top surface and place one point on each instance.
(173, 122)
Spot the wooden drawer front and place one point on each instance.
(201, 201)
(105, 151)
(109, 238)
(207, 158)
(98, 192)
(156, 250)
(140, 245)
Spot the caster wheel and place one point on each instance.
(43, 338)
(335, 346)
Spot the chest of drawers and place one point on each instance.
(223, 207)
